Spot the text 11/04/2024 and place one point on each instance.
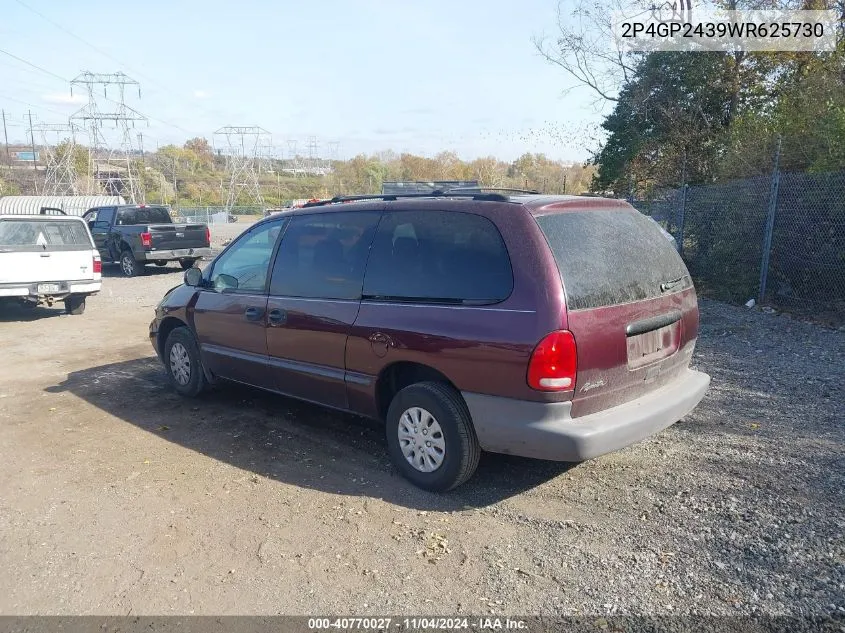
(417, 624)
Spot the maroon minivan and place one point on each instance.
(556, 327)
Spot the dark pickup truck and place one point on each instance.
(135, 235)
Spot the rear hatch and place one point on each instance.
(631, 305)
(45, 249)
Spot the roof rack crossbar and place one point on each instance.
(473, 193)
(481, 189)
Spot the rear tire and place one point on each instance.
(129, 266)
(441, 419)
(161, 263)
(75, 304)
(183, 364)
(187, 262)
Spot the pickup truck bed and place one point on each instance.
(136, 235)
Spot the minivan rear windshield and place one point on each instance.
(43, 235)
(143, 215)
(611, 257)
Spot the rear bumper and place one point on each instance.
(547, 431)
(31, 290)
(177, 253)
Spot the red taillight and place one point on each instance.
(208, 236)
(553, 363)
(98, 264)
(146, 240)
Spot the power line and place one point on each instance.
(32, 105)
(35, 66)
(111, 57)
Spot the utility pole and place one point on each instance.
(6, 137)
(175, 188)
(32, 142)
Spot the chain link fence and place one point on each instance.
(778, 239)
(216, 215)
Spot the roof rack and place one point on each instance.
(474, 193)
(454, 190)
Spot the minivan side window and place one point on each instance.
(243, 266)
(438, 257)
(323, 255)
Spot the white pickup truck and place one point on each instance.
(48, 258)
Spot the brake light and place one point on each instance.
(208, 236)
(97, 266)
(146, 240)
(553, 364)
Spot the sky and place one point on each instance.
(367, 75)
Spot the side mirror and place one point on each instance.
(193, 277)
(225, 282)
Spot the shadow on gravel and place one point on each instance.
(287, 440)
(13, 311)
(151, 270)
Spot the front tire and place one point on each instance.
(187, 262)
(129, 266)
(430, 436)
(75, 304)
(183, 364)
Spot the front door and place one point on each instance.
(99, 222)
(230, 314)
(315, 293)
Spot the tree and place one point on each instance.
(200, 152)
(584, 47)
(671, 121)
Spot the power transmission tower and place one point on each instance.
(58, 143)
(243, 145)
(334, 149)
(265, 157)
(313, 154)
(111, 162)
(293, 157)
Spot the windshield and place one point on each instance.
(43, 235)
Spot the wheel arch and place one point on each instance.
(168, 324)
(396, 376)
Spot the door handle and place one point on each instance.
(277, 317)
(253, 314)
(45, 254)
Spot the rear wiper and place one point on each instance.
(668, 285)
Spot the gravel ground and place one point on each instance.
(118, 497)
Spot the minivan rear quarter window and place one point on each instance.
(609, 257)
(438, 256)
